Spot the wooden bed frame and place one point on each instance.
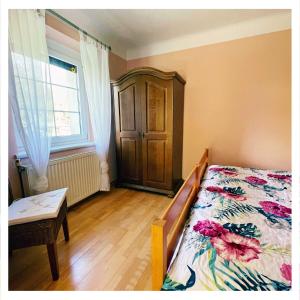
(167, 229)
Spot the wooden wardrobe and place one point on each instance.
(148, 108)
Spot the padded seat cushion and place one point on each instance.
(38, 207)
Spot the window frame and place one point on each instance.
(59, 52)
(61, 143)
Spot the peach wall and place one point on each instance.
(237, 100)
(117, 66)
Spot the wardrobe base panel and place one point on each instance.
(169, 193)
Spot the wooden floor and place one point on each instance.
(109, 247)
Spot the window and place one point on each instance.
(68, 112)
(70, 120)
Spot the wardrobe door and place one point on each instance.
(156, 103)
(128, 131)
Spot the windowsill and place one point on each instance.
(22, 155)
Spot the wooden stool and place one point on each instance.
(36, 220)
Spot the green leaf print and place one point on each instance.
(228, 181)
(171, 285)
(242, 278)
(202, 250)
(247, 229)
(234, 209)
(234, 190)
(271, 249)
(211, 264)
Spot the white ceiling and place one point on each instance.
(137, 33)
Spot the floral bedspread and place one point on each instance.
(238, 235)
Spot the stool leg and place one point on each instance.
(52, 254)
(65, 228)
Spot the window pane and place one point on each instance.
(65, 99)
(67, 123)
(63, 77)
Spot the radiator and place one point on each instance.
(80, 173)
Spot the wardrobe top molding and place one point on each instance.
(148, 71)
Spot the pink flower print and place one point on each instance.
(286, 178)
(209, 228)
(224, 171)
(231, 246)
(286, 272)
(255, 180)
(230, 173)
(215, 189)
(227, 194)
(216, 169)
(275, 209)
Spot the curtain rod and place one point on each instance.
(76, 27)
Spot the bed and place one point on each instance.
(231, 232)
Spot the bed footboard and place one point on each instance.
(167, 229)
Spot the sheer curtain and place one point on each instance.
(94, 60)
(29, 94)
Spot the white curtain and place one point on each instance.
(30, 95)
(94, 60)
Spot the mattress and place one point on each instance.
(238, 233)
